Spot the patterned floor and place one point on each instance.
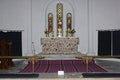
(68, 66)
(111, 65)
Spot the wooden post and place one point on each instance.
(3, 53)
(87, 64)
(10, 62)
(33, 63)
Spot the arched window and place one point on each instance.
(68, 23)
(69, 20)
(50, 22)
(59, 20)
(58, 30)
(50, 25)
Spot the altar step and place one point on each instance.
(60, 56)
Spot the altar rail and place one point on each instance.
(6, 61)
(33, 59)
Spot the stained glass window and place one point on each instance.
(68, 23)
(59, 20)
(50, 25)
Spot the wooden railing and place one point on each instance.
(87, 58)
(5, 63)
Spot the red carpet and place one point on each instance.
(68, 66)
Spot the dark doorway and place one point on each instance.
(116, 42)
(16, 39)
(104, 43)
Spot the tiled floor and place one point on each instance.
(111, 65)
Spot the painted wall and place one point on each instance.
(105, 15)
(89, 16)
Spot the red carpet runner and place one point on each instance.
(68, 66)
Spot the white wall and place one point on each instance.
(105, 16)
(15, 15)
(89, 15)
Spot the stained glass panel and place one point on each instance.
(68, 24)
(50, 25)
(59, 20)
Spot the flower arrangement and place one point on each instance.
(73, 31)
(46, 31)
(70, 32)
(49, 32)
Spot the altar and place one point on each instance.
(59, 40)
(68, 45)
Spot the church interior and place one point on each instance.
(60, 39)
